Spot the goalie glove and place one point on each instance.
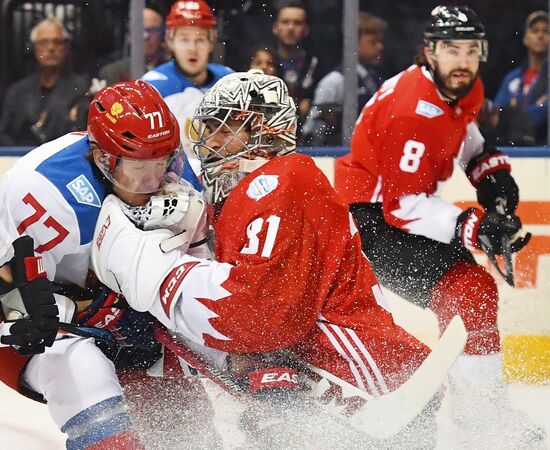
(496, 189)
(484, 230)
(178, 208)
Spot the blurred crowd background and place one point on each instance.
(95, 49)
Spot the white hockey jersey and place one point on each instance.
(51, 194)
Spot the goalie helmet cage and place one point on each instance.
(98, 26)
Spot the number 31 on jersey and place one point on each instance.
(253, 246)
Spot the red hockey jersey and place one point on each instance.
(296, 256)
(289, 274)
(403, 145)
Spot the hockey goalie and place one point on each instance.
(289, 306)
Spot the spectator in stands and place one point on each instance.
(265, 59)
(522, 96)
(299, 68)
(49, 102)
(323, 124)
(191, 34)
(153, 50)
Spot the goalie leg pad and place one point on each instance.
(468, 290)
(374, 361)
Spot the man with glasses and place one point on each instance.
(46, 104)
(403, 148)
(190, 36)
(153, 50)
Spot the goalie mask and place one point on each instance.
(245, 120)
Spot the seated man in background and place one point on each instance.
(153, 50)
(50, 102)
(523, 94)
(323, 125)
(299, 68)
(265, 59)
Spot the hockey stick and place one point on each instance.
(88, 332)
(226, 382)
(508, 272)
(378, 417)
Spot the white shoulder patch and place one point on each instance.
(427, 109)
(154, 75)
(83, 191)
(262, 185)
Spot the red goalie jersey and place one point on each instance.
(403, 147)
(292, 275)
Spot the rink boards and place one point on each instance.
(524, 317)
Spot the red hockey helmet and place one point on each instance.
(185, 13)
(130, 122)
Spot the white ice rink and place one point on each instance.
(26, 425)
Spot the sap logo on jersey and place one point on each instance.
(261, 186)
(84, 192)
(427, 109)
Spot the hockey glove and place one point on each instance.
(178, 208)
(36, 331)
(485, 230)
(496, 189)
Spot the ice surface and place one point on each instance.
(26, 425)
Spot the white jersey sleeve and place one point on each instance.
(432, 216)
(473, 145)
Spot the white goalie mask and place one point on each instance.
(246, 119)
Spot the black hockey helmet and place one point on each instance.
(455, 23)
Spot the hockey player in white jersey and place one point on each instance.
(182, 81)
(50, 201)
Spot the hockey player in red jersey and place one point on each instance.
(403, 148)
(288, 272)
